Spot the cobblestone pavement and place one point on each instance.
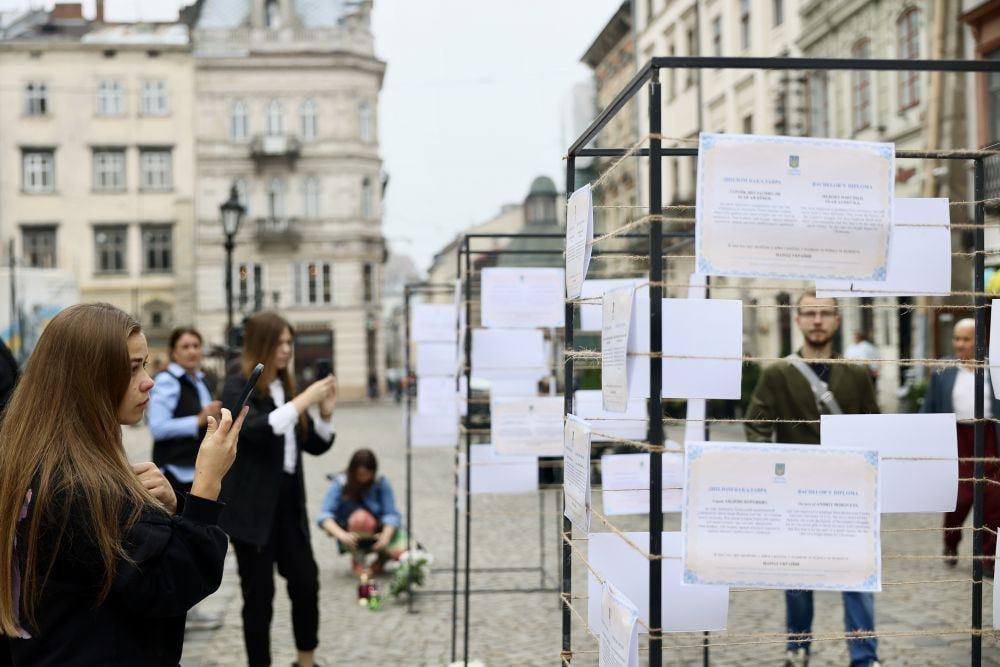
(524, 628)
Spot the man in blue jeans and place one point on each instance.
(797, 390)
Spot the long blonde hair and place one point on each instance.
(61, 439)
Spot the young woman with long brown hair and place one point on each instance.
(95, 566)
(265, 497)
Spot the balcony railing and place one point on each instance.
(278, 230)
(275, 146)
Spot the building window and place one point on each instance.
(39, 171)
(36, 98)
(250, 285)
(781, 112)
(313, 283)
(671, 72)
(748, 124)
(650, 11)
(309, 130)
(275, 123)
(38, 245)
(367, 199)
(111, 242)
(310, 197)
(366, 122)
(276, 199)
(778, 11)
(243, 195)
(110, 98)
(153, 98)
(861, 89)
(368, 283)
(993, 93)
(109, 169)
(744, 24)
(155, 167)
(908, 39)
(717, 36)
(239, 121)
(692, 51)
(157, 249)
(819, 105)
(272, 14)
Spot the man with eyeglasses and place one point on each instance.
(787, 403)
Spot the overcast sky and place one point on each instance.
(471, 105)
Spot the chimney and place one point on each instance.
(99, 11)
(67, 10)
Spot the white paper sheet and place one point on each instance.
(907, 486)
(511, 387)
(579, 234)
(995, 350)
(588, 404)
(996, 592)
(576, 472)
(523, 298)
(708, 331)
(619, 630)
(684, 608)
(437, 396)
(625, 483)
(496, 473)
(793, 207)
(436, 359)
(781, 516)
(591, 315)
(694, 422)
(433, 322)
(919, 257)
(617, 320)
(532, 425)
(505, 354)
(433, 431)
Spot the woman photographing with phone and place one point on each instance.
(265, 496)
(95, 566)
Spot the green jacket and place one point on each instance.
(782, 393)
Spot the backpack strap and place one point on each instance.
(825, 400)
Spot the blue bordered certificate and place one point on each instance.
(781, 516)
(791, 207)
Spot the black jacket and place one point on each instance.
(177, 561)
(250, 490)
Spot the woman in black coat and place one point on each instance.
(265, 514)
(103, 560)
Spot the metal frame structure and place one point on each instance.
(650, 73)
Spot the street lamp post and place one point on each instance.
(232, 215)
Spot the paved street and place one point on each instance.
(524, 629)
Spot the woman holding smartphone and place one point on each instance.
(265, 514)
(96, 565)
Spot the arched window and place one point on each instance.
(367, 199)
(272, 14)
(275, 122)
(308, 113)
(239, 121)
(365, 122)
(243, 195)
(908, 46)
(861, 88)
(310, 197)
(276, 199)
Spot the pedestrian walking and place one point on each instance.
(265, 514)
(106, 560)
(952, 390)
(799, 389)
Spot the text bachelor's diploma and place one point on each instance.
(789, 207)
(781, 516)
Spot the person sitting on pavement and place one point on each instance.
(359, 511)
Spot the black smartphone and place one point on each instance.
(323, 368)
(248, 388)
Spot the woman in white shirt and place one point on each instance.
(265, 514)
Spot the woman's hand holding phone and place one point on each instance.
(216, 454)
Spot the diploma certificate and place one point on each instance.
(781, 516)
(790, 207)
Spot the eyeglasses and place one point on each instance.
(826, 314)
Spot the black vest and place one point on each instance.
(181, 451)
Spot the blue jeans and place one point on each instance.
(859, 614)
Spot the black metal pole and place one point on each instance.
(409, 445)
(467, 298)
(567, 525)
(655, 376)
(230, 246)
(977, 488)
